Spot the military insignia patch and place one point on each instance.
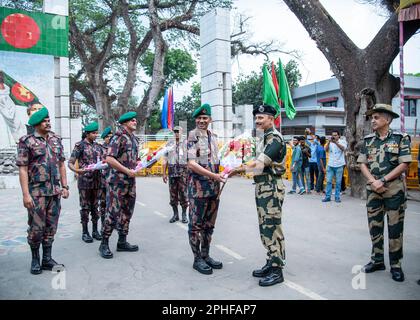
(261, 109)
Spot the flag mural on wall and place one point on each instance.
(33, 32)
(167, 118)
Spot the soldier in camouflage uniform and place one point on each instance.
(268, 169)
(88, 152)
(203, 189)
(383, 159)
(176, 162)
(122, 157)
(41, 169)
(106, 136)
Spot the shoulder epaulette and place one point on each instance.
(25, 137)
(372, 135)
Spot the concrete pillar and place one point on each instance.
(216, 82)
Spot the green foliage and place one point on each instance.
(248, 89)
(29, 5)
(414, 74)
(153, 123)
(185, 108)
(179, 66)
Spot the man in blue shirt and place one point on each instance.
(312, 142)
(322, 164)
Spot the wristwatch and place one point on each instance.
(383, 180)
(65, 187)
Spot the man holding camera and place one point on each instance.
(336, 148)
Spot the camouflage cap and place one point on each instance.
(205, 110)
(106, 132)
(38, 117)
(381, 107)
(127, 116)
(91, 127)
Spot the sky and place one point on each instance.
(272, 19)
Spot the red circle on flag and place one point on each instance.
(20, 31)
(21, 93)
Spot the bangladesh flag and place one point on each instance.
(20, 95)
(33, 32)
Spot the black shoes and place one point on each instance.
(175, 217)
(95, 233)
(274, 276)
(397, 274)
(48, 263)
(85, 233)
(201, 266)
(372, 267)
(35, 264)
(214, 264)
(263, 272)
(104, 250)
(123, 245)
(184, 215)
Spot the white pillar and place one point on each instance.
(216, 82)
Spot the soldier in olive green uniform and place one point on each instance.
(383, 159)
(203, 190)
(41, 169)
(269, 193)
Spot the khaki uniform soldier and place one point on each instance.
(41, 169)
(269, 194)
(106, 136)
(88, 152)
(122, 157)
(384, 158)
(203, 189)
(175, 161)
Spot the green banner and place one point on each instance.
(33, 32)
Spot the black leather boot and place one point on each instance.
(48, 263)
(275, 276)
(175, 217)
(104, 250)
(214, 264)
(372, 267)
(35, 264)
(85, 233)
(123, 245)
(201, 266)
(397, 274)
(95, 233)
(184, 215)
(263, 272)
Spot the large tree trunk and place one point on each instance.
(356, 70)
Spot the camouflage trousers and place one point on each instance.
(392, 203)
(178, 191)
(102, 203)
(269, 196)
(43, 220)
(89, 200)
(202, 217)
(120, 201)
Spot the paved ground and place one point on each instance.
(323, 243)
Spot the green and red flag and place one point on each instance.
(285, 96)
(277, 121)
(20, 95)
(269, 91)
(33, 32)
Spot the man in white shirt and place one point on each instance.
(336, 162)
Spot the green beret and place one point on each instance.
(106, 132)
(205, 110)
(38, 117)
(127, 116)
(91, 127)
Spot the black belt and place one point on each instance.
(266, 178)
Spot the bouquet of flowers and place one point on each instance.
(99, 165)
(148, 160)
